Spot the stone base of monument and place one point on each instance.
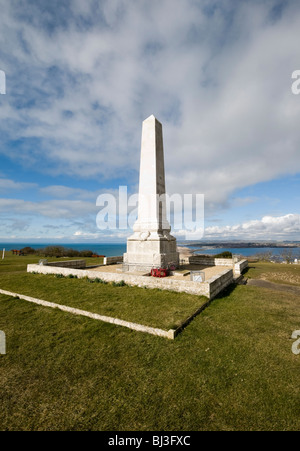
(145, 255)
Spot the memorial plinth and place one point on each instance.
(151, 245)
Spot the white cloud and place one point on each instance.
(65, 192)
(269, 227)
(80, 82)
(80, 234)
(222, 92)
(10, 185)
(61, 209)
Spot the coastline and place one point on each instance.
(185, 251)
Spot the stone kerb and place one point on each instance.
(171, 334)
(77, 264)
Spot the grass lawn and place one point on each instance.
(231, 369)
(274, 272)
(154, 308)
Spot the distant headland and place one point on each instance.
(242, 244)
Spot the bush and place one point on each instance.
(60, 251)
(225, 254)
(56, 252)
(70, 253)
(53, 251)
(85, 253)
(28, 251)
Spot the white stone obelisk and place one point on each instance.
(151, 245)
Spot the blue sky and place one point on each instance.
(81, 76)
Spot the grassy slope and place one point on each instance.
(231, 369)
(278, 273)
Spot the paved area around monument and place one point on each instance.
(209, 271)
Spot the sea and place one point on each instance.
(109, 249)
(117, 249)
(276, 252)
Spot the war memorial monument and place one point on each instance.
(151, 244)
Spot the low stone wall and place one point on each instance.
(209, 288)
(76, 264)
(220, 282)
(112, 260)
(240, 267)
(210, 261)
(204, 260)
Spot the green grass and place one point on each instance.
(278, 273)
(154, 308)
(231, 369)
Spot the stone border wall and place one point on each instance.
(219, 282)
(210, 288)
(210, 261)
(240, 267)
(112, 260)
(76, 264)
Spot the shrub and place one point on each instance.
(225, 254)
(56, 251)
(85, 253)
(60, 251)
(70, 253)
(53, 251)
(119, 284)
(28, 251)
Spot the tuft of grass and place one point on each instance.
(98, 280)
(119, 284)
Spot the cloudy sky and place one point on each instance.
(81, 76)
